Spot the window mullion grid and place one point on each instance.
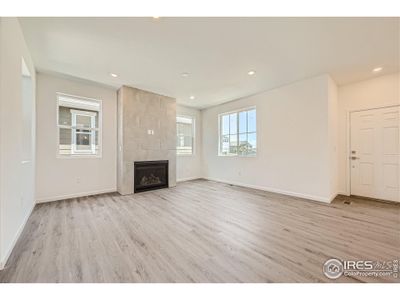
(73, 134)
(246, 133)
(93, 134)
(229, 135)
(237, 133)
(222, 133)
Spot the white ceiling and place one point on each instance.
(217, 53)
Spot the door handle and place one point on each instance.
(354, 157)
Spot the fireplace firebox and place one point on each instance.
(150, 175)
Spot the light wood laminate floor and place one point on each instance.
(200, 231)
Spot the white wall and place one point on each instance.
(60, 178)
(190, 167)
(293, 140)
(16, 178)
(377, 92)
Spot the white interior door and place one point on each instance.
(375, 153)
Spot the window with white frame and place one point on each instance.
(238, 133)
(185, 135)
(78, 126)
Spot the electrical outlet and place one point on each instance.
(78, 180)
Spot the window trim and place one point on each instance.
(99, 129)
(193, 135)
(237, 111)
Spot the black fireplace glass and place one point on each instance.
(150, 175)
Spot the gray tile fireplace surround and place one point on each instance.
(146, 132)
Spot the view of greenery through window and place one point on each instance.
(238, 133)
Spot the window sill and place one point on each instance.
(78, 156)
(185, 155)
(240, 156)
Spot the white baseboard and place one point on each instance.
(278, 191)
(333, 197)
(3, 261)
(69, 196)
(187, 179)
(345, 193)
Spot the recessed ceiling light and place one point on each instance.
(113, 75)
(185, 74)
(252, 72)
(156, 17)
(191, 97)
(378, 69)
